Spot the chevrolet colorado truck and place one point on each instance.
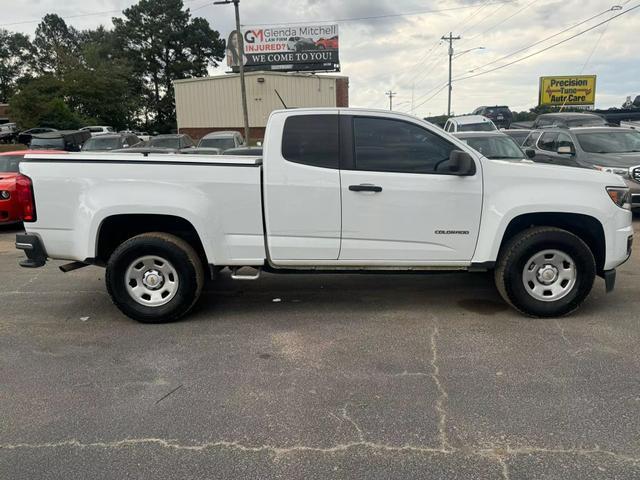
(341, 190)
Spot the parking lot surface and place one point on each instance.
(370, 376)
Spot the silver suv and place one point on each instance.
(612, 149)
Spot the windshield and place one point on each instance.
(477, 127)
(586, 122)
(221, 143)
(610, 142)
(47, 143)
(495, 148)
(165, 142)
(101, 143)
(9, 163)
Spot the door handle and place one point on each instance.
(365, 187)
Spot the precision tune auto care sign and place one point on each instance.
(570, 90)
(287, 48)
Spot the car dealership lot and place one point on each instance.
(371, 376)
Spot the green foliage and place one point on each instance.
(16, 58)
(163, 44)
(121, 77)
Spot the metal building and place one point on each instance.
(210, 104)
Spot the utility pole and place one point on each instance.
(243, 88)
(390, 94)
(450, 38)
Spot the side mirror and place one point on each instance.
(461, 163)
(530, 153)
(565, 150)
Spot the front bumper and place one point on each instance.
(33, 249)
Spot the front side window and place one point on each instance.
(385, 145)
(548, 142)
(102, 143)
(532, 139)
(564, 140)
(311, 140)
(165, 142)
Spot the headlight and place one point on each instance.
(5, 195)
(620, 196)
(622, 171)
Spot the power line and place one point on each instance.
(80, 15)
(549, 47)
(378, 17)
(502, 21)
(543, 40)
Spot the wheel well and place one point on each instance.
(587, 228)
(116, 229)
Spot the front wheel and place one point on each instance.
(545, 272)
(154, 277)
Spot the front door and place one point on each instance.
(400, 205)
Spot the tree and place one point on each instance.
(164, 44)
(40, 103)
(16, 57)
(56, 45)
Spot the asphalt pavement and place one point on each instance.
(309, 377)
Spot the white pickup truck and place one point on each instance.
(344, 190)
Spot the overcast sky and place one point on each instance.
(403, 53)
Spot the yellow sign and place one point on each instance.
(572, 90)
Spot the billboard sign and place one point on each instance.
(286, 48)
(568, 90)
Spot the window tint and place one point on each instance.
(385, 145)
(532, 139)
(564, 140)
(311, 140)
(9, 163)
(548, 142)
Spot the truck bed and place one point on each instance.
(219, 195)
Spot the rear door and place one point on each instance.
(302, 187)
(399, 202)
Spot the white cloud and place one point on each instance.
(379, 54)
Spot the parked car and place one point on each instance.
(110, 142)
(202, 151)
(568, 119)
(177, 141)
(24, 137)
(69, 140)
(469, 123)
(493, 145)
(8, 133)
(95, 130)
(610, 149)
(299, 44)
(500, 115)
(343, 190)
(330, 43)
(518, 134)
(10, 207)
(223, 140)
(249, 151)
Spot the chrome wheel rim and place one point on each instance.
(549, 275)
(151, 281)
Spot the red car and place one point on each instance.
(10, 211)
(328, 43)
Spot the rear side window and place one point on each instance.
(311, 140)
(386, 145)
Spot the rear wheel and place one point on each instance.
(155, 277)
(545, 272)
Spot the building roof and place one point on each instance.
(261, 73)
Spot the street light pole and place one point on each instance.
(450, 38)
(243, 88)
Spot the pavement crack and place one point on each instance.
(346, 417)
(562, 334)
(442, 393)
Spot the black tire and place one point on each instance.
(521, 248)
(181, 256)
